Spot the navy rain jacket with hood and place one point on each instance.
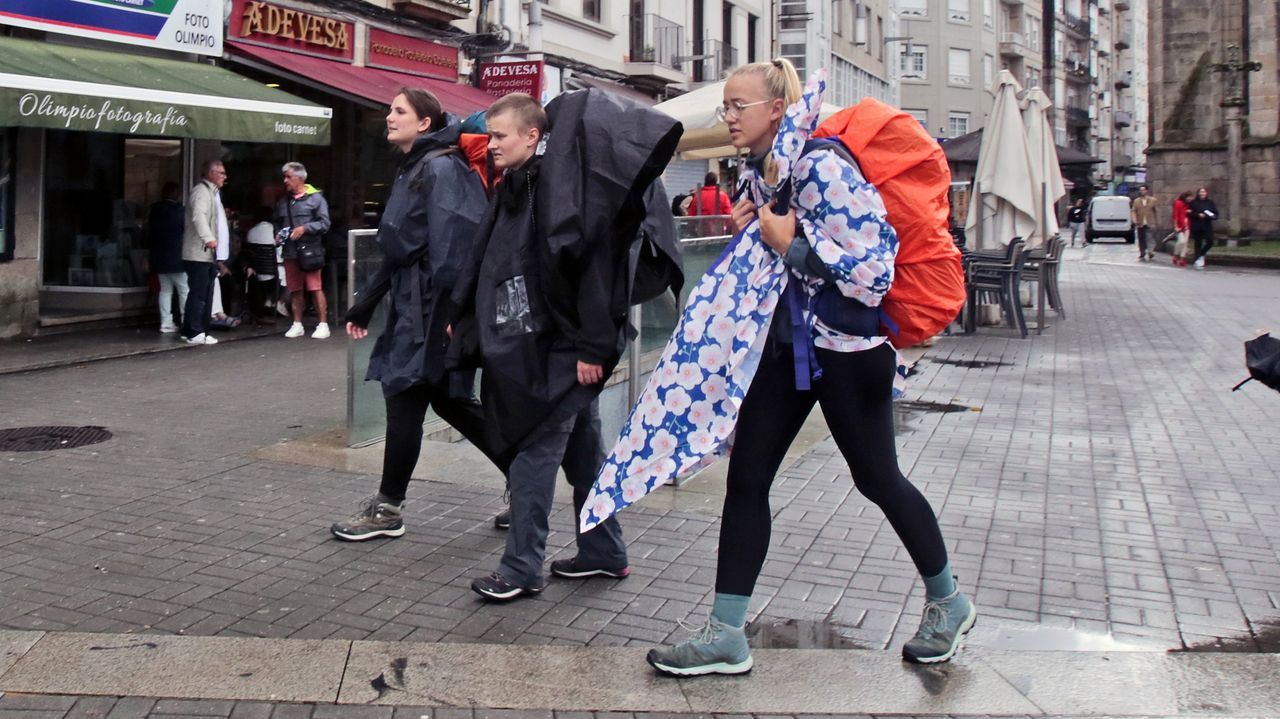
(425, 234)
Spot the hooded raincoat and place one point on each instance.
(426, 231)
(548, 285)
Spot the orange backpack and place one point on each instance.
(910, 171)
(475, 148)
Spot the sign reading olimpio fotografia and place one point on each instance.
(184, 25)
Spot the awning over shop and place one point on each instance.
(75, 88)
(375, 86)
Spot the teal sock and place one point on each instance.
(940, 585)
(730, 609)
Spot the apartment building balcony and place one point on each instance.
(1123, 40)
(656, 43)
(441, 11)
(1014, 44)
(1124, 78)
(724, 57)
(1077, 116)
(1079, 26)
(1121, 162)
(1123, 118)
(1011, 2)
(1077, 69)
(1120, 5)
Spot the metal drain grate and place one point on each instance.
(46, 439)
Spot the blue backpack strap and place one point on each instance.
(804, 359)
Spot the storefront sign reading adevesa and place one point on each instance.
(283, 27)
(504, 78)
(392, 51)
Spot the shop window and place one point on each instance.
(6, 195)
(97, 193)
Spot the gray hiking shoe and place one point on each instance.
(944, 624)
(716, 648)
(377, 518)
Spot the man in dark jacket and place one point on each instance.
(543, 304)
(164, 233)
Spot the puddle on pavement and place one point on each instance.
(767, 633)
(1055, 639)
(905, 412)
(1264, 639)
(969, 364)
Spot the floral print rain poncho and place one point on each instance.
(686, 415)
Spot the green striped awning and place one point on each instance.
(73, 88)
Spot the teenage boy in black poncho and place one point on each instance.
(543, 307)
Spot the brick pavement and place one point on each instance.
(1110, 485)
(15, 706)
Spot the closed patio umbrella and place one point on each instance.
(1046, 175)
(1004, 201)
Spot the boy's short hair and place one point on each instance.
(528, 113)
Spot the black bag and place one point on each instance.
(1262, 357)
(308, 249)
(310, 252)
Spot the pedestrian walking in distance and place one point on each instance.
(1144, 218)
(845, 242)
(1181, 228)
(1202, 212)
(1075, 220)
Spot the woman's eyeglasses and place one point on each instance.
(734, 109)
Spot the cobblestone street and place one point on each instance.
(1100, 487)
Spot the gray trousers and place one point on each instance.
(576, 445)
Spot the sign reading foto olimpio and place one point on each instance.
(193, 26)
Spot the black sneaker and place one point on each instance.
(502, 520)
(570, 569)
(376, 519)
(495, 587)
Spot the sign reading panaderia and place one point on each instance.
(282, 27)
(185, 25)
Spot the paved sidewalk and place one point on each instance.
(1102, 489)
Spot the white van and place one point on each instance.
(1109, 216)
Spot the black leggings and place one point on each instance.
(856, 394)
(405, 413)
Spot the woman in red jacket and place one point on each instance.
(711, 200)
(1182, 226)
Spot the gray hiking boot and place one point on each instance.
(377, 518)
(716, 648)
(944, 624)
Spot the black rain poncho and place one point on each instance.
(549, 284)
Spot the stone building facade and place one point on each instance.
(1193, 101)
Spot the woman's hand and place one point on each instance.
(743, 213)
(356, 332)
(778, 231)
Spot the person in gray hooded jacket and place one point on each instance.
(304, 214)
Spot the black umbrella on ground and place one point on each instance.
(1262, 357)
